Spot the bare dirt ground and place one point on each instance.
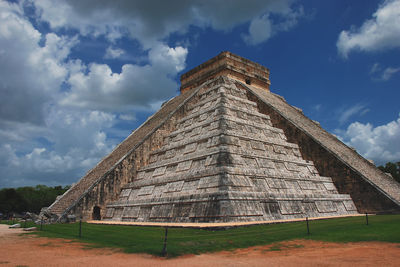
(28, 250)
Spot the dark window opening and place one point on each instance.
(248, 81)
(96, 213)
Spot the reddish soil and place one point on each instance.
(28, 250)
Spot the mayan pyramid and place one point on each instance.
(225, 150)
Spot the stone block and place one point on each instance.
(329, 186)
(349, 205)
(174, 186)
(276, 183)
(190, 148)
(290, 207)
(131, 212)
(190, 186)
(109, 212)
(257, 145)
(307, 185)
(162, 211)
(170, 153)
(325, 206)
(183, 166)
(290, 166)
(146, 190)
(159, 171)
(209, 181)
(265, 163)
(181, 210)
(125, 192)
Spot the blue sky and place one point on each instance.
(76, 77)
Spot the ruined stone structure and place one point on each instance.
(227, 149)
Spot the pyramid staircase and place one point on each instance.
(91, 179)
(226, 162)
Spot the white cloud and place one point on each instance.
(260, 30)
(39, 141)
(389, 72)
(57, 113)
(127, 117)
(375, 68)
(134, 86)
(30, 73)
(113, 53)
(77, 139)
(380, 32)
(381, 143)
(346, 114)
(151, 21)
(382, 74)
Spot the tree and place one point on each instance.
(393, 169)
(11, 201)
(28, 198)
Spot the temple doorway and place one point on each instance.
(96, 213)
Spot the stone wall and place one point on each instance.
(226, 64)
(366, 197)
(109, 188)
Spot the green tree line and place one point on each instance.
(28, 198)
(393, 169)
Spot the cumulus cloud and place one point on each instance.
(260, 30)
(44, 142)
(102, 89)
(151, 21)
(113, 53)
(58, 112)
(30, 73)
(77, 142)
(40, 142)
(380, 32)
(380, 143)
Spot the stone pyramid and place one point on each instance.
(228, 150)
(226, 162)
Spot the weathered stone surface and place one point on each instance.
(371, 190)
(229, 172)
(104, 182)
(30, 229)
(227, 149)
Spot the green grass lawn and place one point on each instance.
(135, 239)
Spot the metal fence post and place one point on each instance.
(164, 251)
(80, 227)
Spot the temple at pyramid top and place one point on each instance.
(229, 65)
(226, 150)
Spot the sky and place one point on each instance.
(76, 77)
